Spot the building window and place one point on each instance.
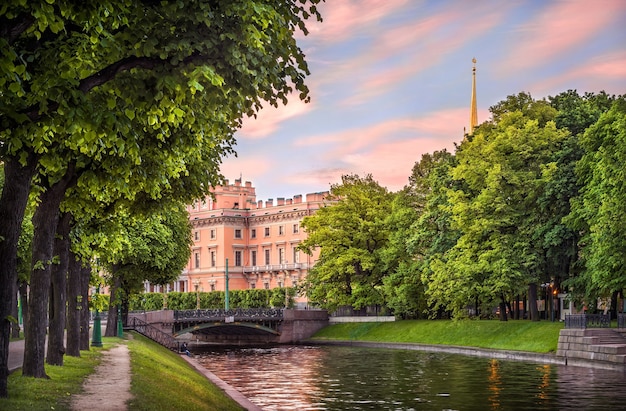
(237, 233)
(266, 285)
(252, 286)
(213, 260)
(237, 258)
(196, 235)
(212, 287)
(281, 230)
(296, 228)
(267, 257)
(267, 231)
(204, 204)
(296, 255)
(281, 256)
(213, 234)
(196, 260)
(280, 284)
(253, 257)
(253, 233)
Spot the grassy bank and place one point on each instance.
(161, 380)
(539, 337)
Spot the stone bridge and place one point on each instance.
(237, 326)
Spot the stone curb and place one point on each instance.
(229, 390)
(477, 352)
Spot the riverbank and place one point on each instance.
(534, 337)
(511, 340)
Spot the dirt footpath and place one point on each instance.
(108, 388)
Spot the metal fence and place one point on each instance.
(621, 320)
(588, 320)
(154, 334)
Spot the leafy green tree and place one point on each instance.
(407, 251)
(82, 81)
(576, 113)
(599, 209)
(504, 171)
(153, 247)
(352, 235)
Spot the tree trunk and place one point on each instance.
(74, 305)
(85, 276)
(58, 293)
(13, 202)
(503, 316)
(45, 222)
(532, 302)
(111, 330)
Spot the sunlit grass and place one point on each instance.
(27, 393)
(521, 335)
(161, 380)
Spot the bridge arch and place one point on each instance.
(230, 326)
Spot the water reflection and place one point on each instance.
(350, 378)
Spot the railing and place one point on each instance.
(621, 320)
(237, 314)
(588, 320)
(154, 334)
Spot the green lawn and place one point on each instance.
(521, 335)
(161, 380)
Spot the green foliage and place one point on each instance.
(600, 206)
(352, 235)
(252, 298)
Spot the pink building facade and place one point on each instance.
(258, 240)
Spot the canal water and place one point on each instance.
(356, 378)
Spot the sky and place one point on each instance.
(391, 80)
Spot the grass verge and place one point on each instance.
(539, 337)
(161, 380)
(26, 393)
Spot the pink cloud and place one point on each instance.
(249, 168)
(268, 119)
(418, 46)
(369, 149)
(561, 26)
(344, 18)
(602, 70)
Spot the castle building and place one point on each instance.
(254, 242)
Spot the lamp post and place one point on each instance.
(226, 305)
(120, 327)
(196, 284)
(96, 339)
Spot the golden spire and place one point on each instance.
(473, 109)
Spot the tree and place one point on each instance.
(105, 79)
(352, 235)
(413, 232)
(600, 206)
(504, 170)
(153, 247)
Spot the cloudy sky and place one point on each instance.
(391, 80)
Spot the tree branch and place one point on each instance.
(107, 74)
(10, 32)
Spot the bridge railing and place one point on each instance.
(237, 314)
(154, 333)
(588, 320)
